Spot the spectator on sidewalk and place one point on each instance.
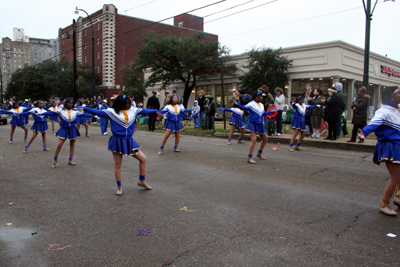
(332, 111)
(342, 108)
(360, 107)
(201, 104)
(153, 103)
(316, 113)
(279, 102)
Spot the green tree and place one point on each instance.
(43, 80)
(172, 59)
(265, 66)
(133, 80)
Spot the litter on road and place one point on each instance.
(52, 245)
(185, 209)
(144, 231)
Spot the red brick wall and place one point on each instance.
(127, 45)
(190, 21)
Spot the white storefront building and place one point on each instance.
(322, 65)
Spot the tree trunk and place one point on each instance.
(188, 90)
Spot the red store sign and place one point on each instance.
(389, 71)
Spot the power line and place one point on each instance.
(200, 23)
(291, 22)
(140, 5)
(241, 11)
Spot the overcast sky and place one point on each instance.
(281, 23)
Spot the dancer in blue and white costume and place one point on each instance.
(299, 121)
(236, 121)
(39, 126)
(386, 125)
(123, 116)
(17, 119)
(103, 121)
(256, 124)
(54, 118)
(173, 124)
(81, 119)
(68, 129)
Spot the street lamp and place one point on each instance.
(93, 75)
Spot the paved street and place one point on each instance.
(310, 208)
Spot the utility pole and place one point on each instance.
(222, 90)
(368, 18)
(76, 96)
(54, 85)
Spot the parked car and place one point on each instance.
(219, 116)
(3, 118)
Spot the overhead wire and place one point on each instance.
(140, 5)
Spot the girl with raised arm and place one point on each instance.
(39, 126)
(122, 117)
(67, 130)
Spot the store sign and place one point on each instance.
(389, 71)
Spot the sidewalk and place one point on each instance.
(284, 139)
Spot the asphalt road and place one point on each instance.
(310, 208)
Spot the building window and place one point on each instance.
(85, 59)
(15, 49)
(85, 32)
(98, 40)
(19, 66)
(19, 49)
(98, 26)
(98, 69)
(98, 55)
(85, 45)
(206, 88)
(228, 90)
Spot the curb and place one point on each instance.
(341, 145)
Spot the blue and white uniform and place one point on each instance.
(103, 121)
(122, 127)
(256, 120)
(236, 117)
(67, 122)
(174, 117)
(17, 116)
(26, 117)
(80, 119)
(40, 124)
(386, 125)
(299, 117)
(53, 118)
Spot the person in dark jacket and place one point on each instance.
(360, 107)
(211, 112)
(244, 100)
(153, 103)
(332, 112)
(200, 102)
(316, 113)
(342, 105)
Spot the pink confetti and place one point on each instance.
(52, 245)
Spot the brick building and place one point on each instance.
(117, 43)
